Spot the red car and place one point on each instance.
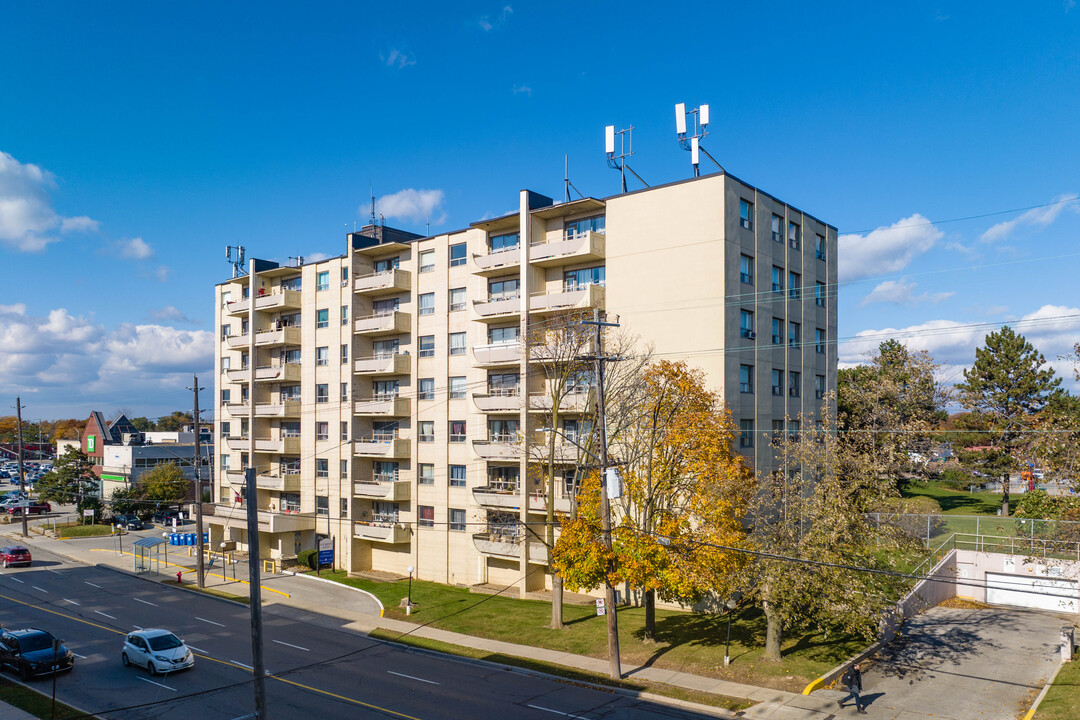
(15, 555)
(36, 507)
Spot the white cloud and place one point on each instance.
(886, 249)
(28, 222)
(162, 273)
(134, 249)
(488, 23)
(522, 90)
(410, 204)
(1036, 217)
(156, 349)
(397, 59)
(171, 313)
(902, 292)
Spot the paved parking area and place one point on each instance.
(962, 664)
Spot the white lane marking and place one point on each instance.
(145, 602)
(242, 665)
(105, 614)
(92, 584)
(136, 627)
(292, 646)
(78, 655)
(18, 580)
(196, 649)
(54, 572)
(209, 621)
(412, 677)
(72, 602)
(558, 712)
(41, 589)
(158, 684)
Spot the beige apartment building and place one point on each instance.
(381, 395)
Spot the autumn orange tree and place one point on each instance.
(685, 492)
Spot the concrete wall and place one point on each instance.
(972, 567)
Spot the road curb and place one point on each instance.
(1046, 688)
(382, 608)
(86, 713)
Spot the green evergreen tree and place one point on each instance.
(71, 480)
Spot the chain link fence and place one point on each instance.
(1016, 536)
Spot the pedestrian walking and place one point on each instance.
(852, 680)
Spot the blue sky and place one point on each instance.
(138, 139)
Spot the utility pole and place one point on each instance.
(605, 501)
(22, 475)
(255, 596)
(200, 563)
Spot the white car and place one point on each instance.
(159, 651)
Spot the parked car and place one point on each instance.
(159, 651)
(15, 555)
(35, 507)
(129, 522)
(31, 652)
(165, 516)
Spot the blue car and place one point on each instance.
(31, 652)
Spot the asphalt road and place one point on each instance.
(316, 670)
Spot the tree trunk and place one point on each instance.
(1005, 496)
(556, 602)
(650, 615)
(773, 633)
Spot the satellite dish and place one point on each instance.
(680, 118)
(609, 139)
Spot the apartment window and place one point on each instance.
(794, 384)
(225, 397)
(226, 363)
(427, 261)
(322, 356)
(777, 331)
(244, 395)
(344, 276)
(819, 341)
(777, 225)
(290, 392)
(819, 294)
(777, 429)
(502, 243)
(322, 431)
(819, 247)
(384, 430)
(344, 507)
(457, 387)
(385, 348)
(457, 343)
(383, 308)
(506, 289)
(503, 384)
(293, 283)
(794, 428)
(384, 389)
(794, 235)
(777, 279)
(777, 382)
(344, 392)
(224, 463)
(575, 279)
(425, 516)
(425, 431)
(322, 280)
(746, 269)
(322, 467)
(819, 386)
(457, 431)
(344, 314)
(458, 255)
(344, 471)
(746, 379)
(322, 393)
(288, 429)
(386, 265)
(426, 474)
(746, 433)
(226, 331)
(502, 430)
(344, 354)
(503, 335)
(457, 476)
(794, 285)
(322, 318)
(596, 223)
(225, 428)
(427, 304)
(425, 389)
(384, 471)
(293, 356)
(343, 430)
(457, 519)
(746, 214)
(457, 299)
(746, 324)
(794, 334)
(426, 345)
(322, 505)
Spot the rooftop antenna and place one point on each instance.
(566, 181)
(234, 254)
(626, 149)
(427, 224)
(692, 142)
(373, 206)
(299, 260)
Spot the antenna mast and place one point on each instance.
(566, 181)
(234, 254)
(692, 142)
(618, 162)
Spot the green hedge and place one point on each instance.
(307, 557)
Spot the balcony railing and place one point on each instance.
(383, 323)
(497, 261)
(392, 406)
(391, 533)
(578, 296)
(497, 354)
(284, 335)
(396, 364)
(388, 491)
(502, 495)
(284, 408)
(498, 447)
(234, 515)
(496, 308)
(498, 400)
(384, 446)
(383, 282)
(278, 299)
(583, 247)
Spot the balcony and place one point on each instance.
(383, 323)
(391, 491)
(572, 403)
(237, 341)
(391, 533)
(566, 453)
(585, 247)
(538, 504)
(232, 515)
(278, 300)
(278, 336)
(237, 409)
(284, 445)
(497, 496)
(497, 263)
(496, 309)
(383, 283)
(500, 354)
(508, 546)
(236, 307)
(397, 364)
(388, 407)
(283, 409)
(496, 400)
(381, 447)
(497, 449)
(286, 372)
(288, 482)
(581, 296)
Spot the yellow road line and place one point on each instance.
(189, 568)
(346, 699)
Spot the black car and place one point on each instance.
(129, 522)
(31, 652)
(164, 516)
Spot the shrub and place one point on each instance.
(956, 478)
(307, 557)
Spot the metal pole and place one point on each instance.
(200, 564)
(255, 594)
(22, 473)
(727, 645)
(56, 650)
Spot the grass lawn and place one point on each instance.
(33, 702)
(685, 641)
(72, 531)
(956, 502)
(721, 701)
(1062, 702)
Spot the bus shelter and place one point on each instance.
(148, 554)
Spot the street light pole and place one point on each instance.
(408, 602)
(731, 604)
